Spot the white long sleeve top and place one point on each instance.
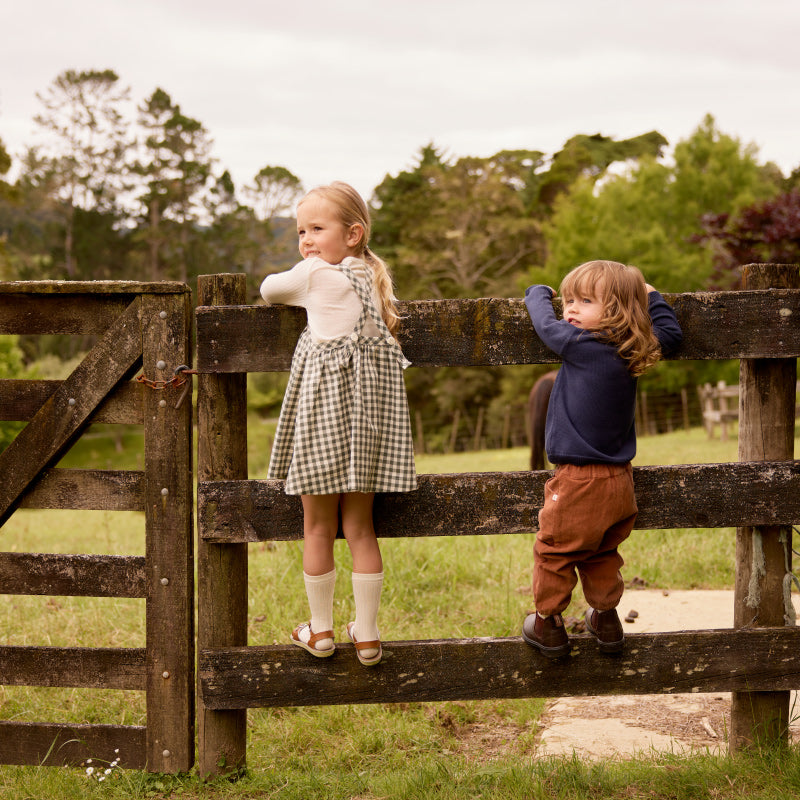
(332, 306)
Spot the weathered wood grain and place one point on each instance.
(169, 538)
(87, 490)
(59, 314)
(21, 399)
(763, 558)
(89, 667)
(483, 669)
(684, 496)
(72, 575)
(497, 332)
(66, 288)
(65, 412)
(221, 568)
(53, 744)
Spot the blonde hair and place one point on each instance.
(352, 210)
(625, 323)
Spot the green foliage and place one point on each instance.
(11, 366)
(5, 162)
(589, 157)
(265, 392)
(648, 215)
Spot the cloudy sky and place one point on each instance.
(353, 89)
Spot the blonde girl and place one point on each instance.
(614, 328)
(344, 431)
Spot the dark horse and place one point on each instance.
(537, 414)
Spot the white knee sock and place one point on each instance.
(319, 590)
(367, 596)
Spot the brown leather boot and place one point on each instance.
(546, 634)
(605, 625)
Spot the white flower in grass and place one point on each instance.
(98, 773)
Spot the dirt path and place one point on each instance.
(597, 727)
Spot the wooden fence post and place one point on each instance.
(222, 568)
(763, 554)
(169, 512)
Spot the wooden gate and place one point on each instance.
(758, 660)
(136, 326)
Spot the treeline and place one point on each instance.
(105, 194)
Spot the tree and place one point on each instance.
(589, 157)
(272, 234)
(456, 230)
(767, 231)
(175, 168)
(236, 241)
(399, 203)
(79, 165)
(5, 166)
(475, 238)
(649, 215)
(273, 192)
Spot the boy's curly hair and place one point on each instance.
(626, 320)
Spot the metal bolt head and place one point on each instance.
(164, 492)
(165, 581)
(162, 314)
(161, 364)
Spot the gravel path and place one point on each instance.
(599, 727)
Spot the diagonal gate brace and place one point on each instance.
(65, 412)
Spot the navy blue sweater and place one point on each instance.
(590, 418)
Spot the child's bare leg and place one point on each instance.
(360, 533)
(320, 524)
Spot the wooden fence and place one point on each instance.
(758, 660)
(137, 326)
(720, 406)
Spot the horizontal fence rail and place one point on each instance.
(73, 575)
(54, 745)
(87, 667)
(498, 332)
(87, 489)
(486, 503)
(484, 669)
(21, 399)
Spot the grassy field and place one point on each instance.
(470, 586)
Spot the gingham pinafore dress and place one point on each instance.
(344, 423)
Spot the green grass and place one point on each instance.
(438, 587)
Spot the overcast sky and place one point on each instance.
(353, 89)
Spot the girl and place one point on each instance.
(615, 327)
(344, 429)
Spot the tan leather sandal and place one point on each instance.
(373, 645)
(313, 638)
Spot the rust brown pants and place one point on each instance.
(588, 512)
